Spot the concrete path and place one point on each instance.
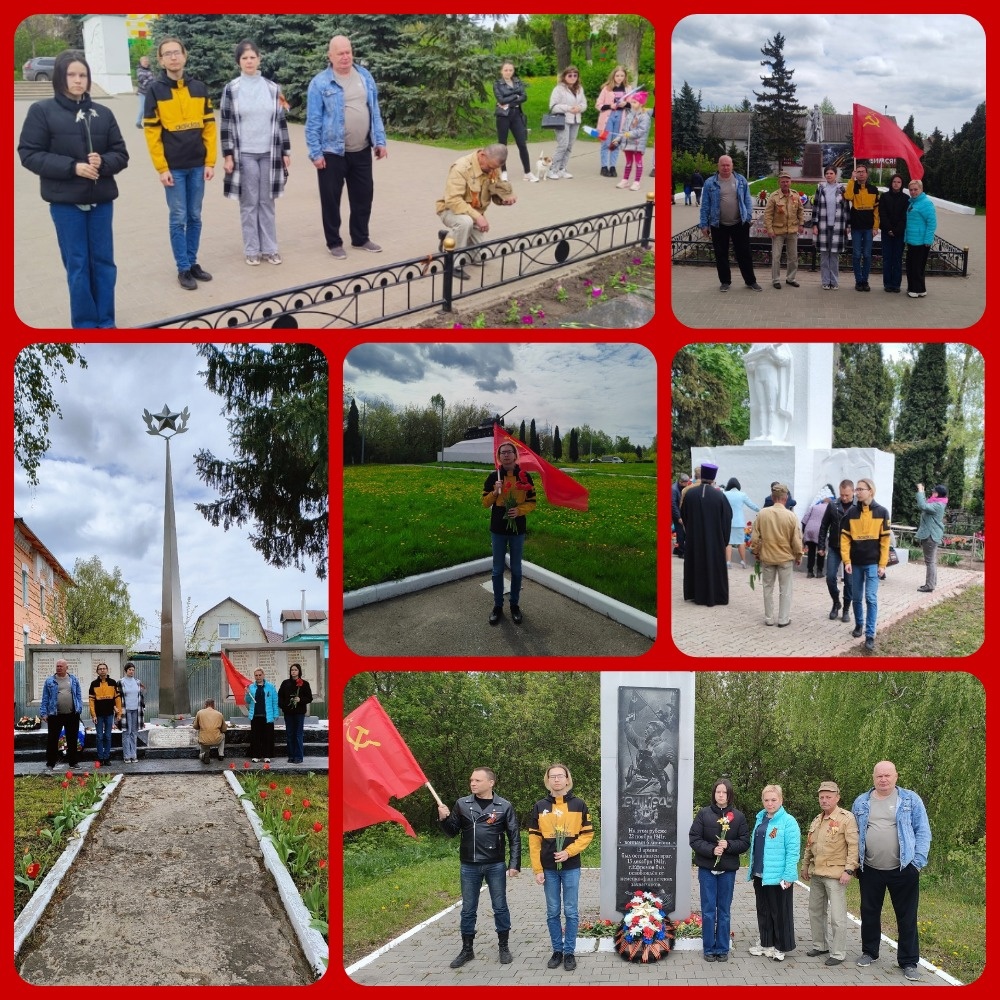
(951, 303)
(407, 184)
(738, 629)
(422, 959)
(169, 890)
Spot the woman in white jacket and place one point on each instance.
(567, 97)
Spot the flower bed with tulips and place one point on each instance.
(45, 813)
(294, 815)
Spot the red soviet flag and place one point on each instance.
(238, 684)
(560, 489)
(378, 766)
(877, 136)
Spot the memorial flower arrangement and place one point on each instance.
(690, 928)
(28, 722)
(645, 934)
(597, 928)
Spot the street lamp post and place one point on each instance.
(174, 696)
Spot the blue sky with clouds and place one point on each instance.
(612, 387)
(101, 486)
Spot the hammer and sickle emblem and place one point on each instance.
(870, 119)
(358, 741)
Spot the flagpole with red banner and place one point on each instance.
(238, 684)
(876, 136)
(560, 490)
(378, 765)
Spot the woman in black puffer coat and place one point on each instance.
(718, 836)
(76, 148)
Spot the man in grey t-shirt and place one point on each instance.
(343, 127)
(726, 213)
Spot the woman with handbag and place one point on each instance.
(510, 94)
(567, 99)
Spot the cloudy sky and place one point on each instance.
(100, 488)
(612, 387)
(930, 66)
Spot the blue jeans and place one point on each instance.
(892, 261)
(86, 245)
(184, 203)
(104, 724)
(566, 881)
(495, 874)
(833, 563)
(716, 899)
(865, 588)
(861, 254)
(500, 543)
(293, 732)
(609, 156)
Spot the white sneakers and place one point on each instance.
(635, 186)
(778, 956)
(531, 178)
(622, 184)
(761, 952)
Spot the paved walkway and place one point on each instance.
(168, 890)
(951, 303)
(422, 959)
(738, 629)
(403, 221)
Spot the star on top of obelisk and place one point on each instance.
(166, 420)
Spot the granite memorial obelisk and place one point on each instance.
(174, 697)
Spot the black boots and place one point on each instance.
(835, 611)
(466, 954)
(846, 616)
(505, 956)
(605, 172)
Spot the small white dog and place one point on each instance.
(543, 166)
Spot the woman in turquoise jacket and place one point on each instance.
(930, 531)
(262, 706)
(775, 846)
(921, 222)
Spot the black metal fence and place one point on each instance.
(692, 247)
(400, 289)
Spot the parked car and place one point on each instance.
(606, 459)
(39, 68)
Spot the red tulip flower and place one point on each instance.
(322, 863)
(232, 765)
(267, 767)
(286, 815)
(246, 764)
(274, 785)
(288, 791)
(33, 869)
(69, 775)
(263, 794)
(65, 784)
(317, 827)
(305, 803)
(97, 764)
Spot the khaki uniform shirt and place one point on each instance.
(784, 213)
(469, 191)
(832, 844)
(210, 724)
(777, 536)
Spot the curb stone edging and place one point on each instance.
(28, 918)
(314, 948)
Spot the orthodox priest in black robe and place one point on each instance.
(707, 516)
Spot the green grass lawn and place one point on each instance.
(955, 627)
(404, 520)
(538, 90)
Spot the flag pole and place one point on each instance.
(430, 788)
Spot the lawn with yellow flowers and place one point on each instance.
(404, 520)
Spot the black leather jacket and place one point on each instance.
(483, 830)
(512, 94)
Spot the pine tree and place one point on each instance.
(778, 111)
(921, 444)
(522, 434)
(685, 121)
(574, 446)
(534, 443)
(759, 164)
(556, 445)
(862, 398)
(352, 436)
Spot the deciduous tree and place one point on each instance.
(97, 611)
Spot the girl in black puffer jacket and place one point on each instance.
(76, 148)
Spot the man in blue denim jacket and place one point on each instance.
(726, 214)
(893, 840)
(343, 126)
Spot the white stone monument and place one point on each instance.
(105, 44)
(791, 431)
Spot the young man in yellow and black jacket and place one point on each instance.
(863, 224)
(560, 831)
(864, 547)
(105, 702)
(179, 125)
